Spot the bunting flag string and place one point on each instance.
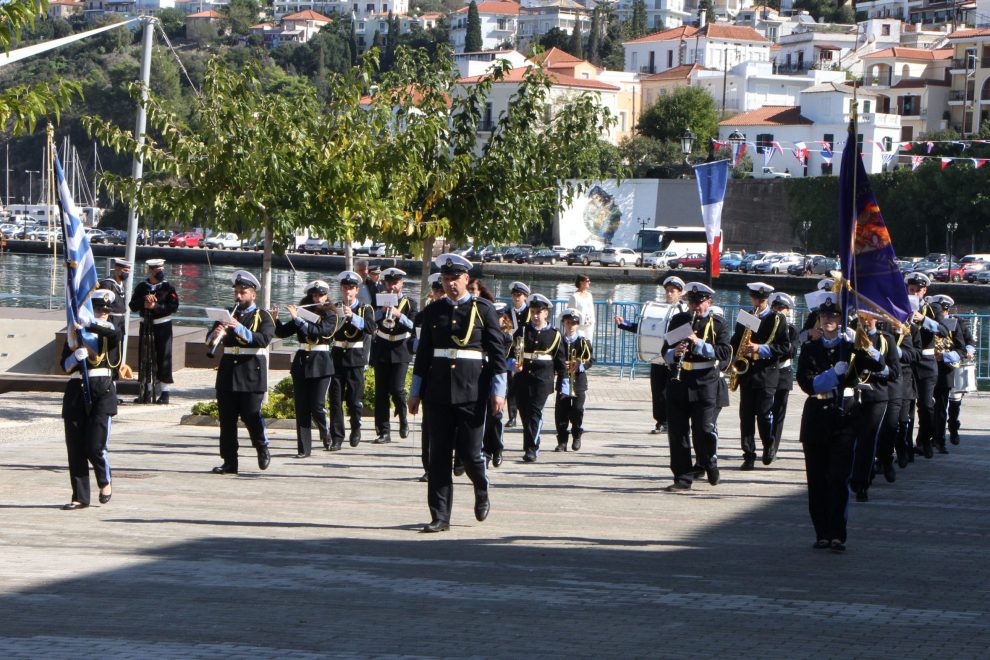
(826, 150)
(768, 156)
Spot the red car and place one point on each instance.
(958, 273)
(186, 239)
(695, 260)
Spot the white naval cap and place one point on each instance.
(781, 298)
(826, 284)
(518, 287)
(320, 286)
(434, 281)
(393, 273)
(244, 278)
(943, 300)
(674, 280)
(823, 301)
(697, 291)
(124, 263)
(452, 264)
(570, 313)
(154, 263)
(759, 289)
(539, 300)
(917, 278)
(349, 277)
(102, 298)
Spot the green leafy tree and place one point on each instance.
(708, 7)
(637, 24)
(686, 108)
(473, 41)
(239, 15)
(173, 22)
(595, 37)
(555, 38)
(575, 46)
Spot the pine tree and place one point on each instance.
(594, 39)
(473, 42)
(638, 26)
(708, 7)
(575, 47)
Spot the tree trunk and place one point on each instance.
(266, 266)
(348, 254)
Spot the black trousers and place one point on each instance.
(926, 409)
(827, 438)
(390, 386)
(86, 438)
(889, 431)
(511, 406)
(690, 422)
(460, 427)
(941, 417)
(311, 408)
(955, 405)
(162, 334)
(568, 415)
(247, 407)
(424, 441)
(755, 413)
(532, 399)
(868, 424)
(905, 428)
(659, 377)
(494, 433)
(347, 384)
(779, 412)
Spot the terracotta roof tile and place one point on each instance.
(555, 56)
(769, 115)
(681, 72)
(911, 54)
(673, 34)
(308, 15)
(515, 76)
(491, 7)
(205, 14)
(968, 34)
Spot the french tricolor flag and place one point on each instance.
(712, 178)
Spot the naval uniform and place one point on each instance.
(943, 389)
(693, 395)
(460, 362)
(896, 436)
(758, 385)
(542, 360)
(494, 443)
(118, 308)
(160, 318)
(242, 381)
(963, 343)
(87, 431)
(785, 383)
(569, 409)
(520, 317)
(926, 373)
(390, 357)
(350, 351)
(880, 367)
(311, 370)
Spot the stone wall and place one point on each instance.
(755, 217)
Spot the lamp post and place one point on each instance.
(643, 224)
(951, 227)
(31, 174)
(806, 227)
(687, 145)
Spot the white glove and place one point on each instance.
(81, 354)
(840, 368)
(849, 334)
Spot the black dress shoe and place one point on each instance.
(928, 452)
(902, 461)
(497, 459)
(768, 455)
(74, 506)
(889, 473)
(510, 424)
(822, 544)
(713, 475)
(561, 446)
(954, 438)
(163, 399)
(576, 444)
(105, 498)
(697, 472)
(301, 455)
(436, 526)
(459, 469)
(224, 469)
(941, 449)
(326, 445)
(838, 547)
(355, 438)
(425, 478)
(335, 446)
(383, 439)
(659, 428)
(529, 456)
(403, 430)
(748, 463)
(678, 486)
(482, 505)
(264, 457)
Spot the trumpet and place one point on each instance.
(740, 364)
(518, 348)
(572, 369)
(944, 345)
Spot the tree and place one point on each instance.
(473, 41)
(686, 108)
(239, 15)
(708, 7)
(594, 38)
(555, 38)
(173, 22)
(637, 25)
(574, 46)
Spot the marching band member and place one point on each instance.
(390, 356)
(520, 316)
(436, 293)
(895, 436)
(494, 443)
(457, 385)
(693, 388)
(673, 288)
(116, 283)
(87, 426)
(312, 366)
(242, 378)
(572, 385)
(810, 330)
(926, 325)
(350, 357)
(156, 300)
(766, 348)
(965, 345)
(783, 304)
(948, 361)
(535, 367)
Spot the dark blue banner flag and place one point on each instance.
(865, 251)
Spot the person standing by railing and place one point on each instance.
(583, 302)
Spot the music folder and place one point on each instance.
(307, 315)
(387, 299)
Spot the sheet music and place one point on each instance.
(219, 314)
(678, 334)
(915, 303)
(748, 320)
(307, 315)
(387, 299)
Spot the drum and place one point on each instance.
(964, 378)
(652, 327)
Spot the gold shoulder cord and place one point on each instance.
(101, 356)
(883, 347)
(585, 351)
(402, 305)
(553, 345)
(254, 326)
(773, 331)
(350, 335)
(470, 329)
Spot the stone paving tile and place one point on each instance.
(583, 556)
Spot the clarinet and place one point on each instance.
(679, 360)
(219, 340)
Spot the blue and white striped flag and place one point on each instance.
(81, 278)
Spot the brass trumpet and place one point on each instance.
(572, 369)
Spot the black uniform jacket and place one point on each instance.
(102, 389)
(700, 384)
(246, 372)
(398, 347)
(904, 387)
(879, 387)
(924, 341)
(448, 326)
(309, 363)
(348, 334)
(167, 300)
(816, 359)
(542, 360)
(962, 336)
(578, 349)
(763, 372)
(520, 318)
(785, 377)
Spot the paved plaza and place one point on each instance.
(583, 554)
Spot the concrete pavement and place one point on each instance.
(582, 556)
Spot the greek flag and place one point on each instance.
(80, 269)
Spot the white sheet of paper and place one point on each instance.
(814, 299)
(915, 303)
(307, 315)
(219, 314)
(387, 299)
(748, 320)
(950, 323)
(678, 334)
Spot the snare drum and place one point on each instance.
(651, 329)
(964, 378)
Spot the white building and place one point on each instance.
(660, 14)
(822, 117)
(982, 17)
(481, 62)
(359, 9)
(836, 46)
(751, 85)
(499, 25)
(537, 17)
(912, 83)
(716, 46)
(772, 24)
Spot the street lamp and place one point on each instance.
(31, 174)
(951, 227)
(806, 227)
(736, 140)
(687, 145)
(643, 224)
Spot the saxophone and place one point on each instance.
(740, 364)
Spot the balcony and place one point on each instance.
(960, 97)
(648, 69)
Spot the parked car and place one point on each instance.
(983, 277)
(545, 256)
(958, 273)
(580, 255)
(315, 246)
(656, 259)
(511, 253)
(224, 241)
(96, 236)
(186, 239)
(730, 261)
(780, 263)
(972, 268)
(8, 230)
(929, 268)
(690, 260)
(618, 256)
(251, 243)
(522, 254)
(747, 263)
